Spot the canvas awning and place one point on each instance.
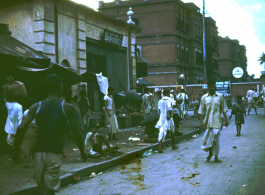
(69, 75)
(14, 51)
(141, 67)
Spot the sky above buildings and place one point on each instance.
(239, 19)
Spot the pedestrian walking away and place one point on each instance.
(148, 102)
(110, 113)
(251, 100)
(165, 123)
(211, 106)
(239, 111)
(183, 105)
(51, 117)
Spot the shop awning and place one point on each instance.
(141, 67)
(69, 75)
(13, 50)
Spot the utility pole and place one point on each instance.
(204, 44)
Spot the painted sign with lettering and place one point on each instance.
(94, 32)
(112, 38)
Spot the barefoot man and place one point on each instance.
(212, 105)
(51, 117)
(165, 123)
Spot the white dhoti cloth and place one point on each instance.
(212, 139)
(164, 127)
(111, 122)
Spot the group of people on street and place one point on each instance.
(52, 115)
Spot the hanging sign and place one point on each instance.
(238, 72)
(113, 38)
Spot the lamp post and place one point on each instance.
(182, 78)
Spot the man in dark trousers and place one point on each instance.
(51, 117)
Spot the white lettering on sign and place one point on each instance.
(238, 72)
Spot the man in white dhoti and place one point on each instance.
(211, 107)
(165, 123)
(251, 101)
(111, 119)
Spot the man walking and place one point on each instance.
(165, 123)
(51, 117)
(211, 107)
(184, 103)
(147, 103)
(251, 100)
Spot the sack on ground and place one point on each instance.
(30, 139)
(14, 89)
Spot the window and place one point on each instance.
(177, 22)
(182, 53)
(195, 31)
(187, 27)
(199, 31)
(138, 52)
(187, 55)
(136, 21)
(65, 63)
(182, 24)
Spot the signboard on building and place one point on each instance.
(94, 32)
(238, 72)
(113, 38)
(222, 87)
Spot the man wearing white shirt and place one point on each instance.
(251, 101)
(14, 118)
(183, 104)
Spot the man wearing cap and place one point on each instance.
(211, 107)
(156, 98)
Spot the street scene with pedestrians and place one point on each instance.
(132, 97)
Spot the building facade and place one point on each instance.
(212, 49)
(76, 36)
(232, 55)
(170, 40)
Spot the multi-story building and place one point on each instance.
(232, 55)
(212, 55)
(170, 40)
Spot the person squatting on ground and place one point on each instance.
(251, 101)
(51, 117)
(83, 109)
(239, 111)
(94, 142)
(165, 123)
(14, 118)
(111, 119)
(211, 106)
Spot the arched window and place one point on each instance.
(137, 21)
(65, 63)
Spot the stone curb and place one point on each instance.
(102, 166)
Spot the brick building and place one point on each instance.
(232, 55)
(170, 40)
(212, 55)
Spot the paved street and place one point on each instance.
(184, 171)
